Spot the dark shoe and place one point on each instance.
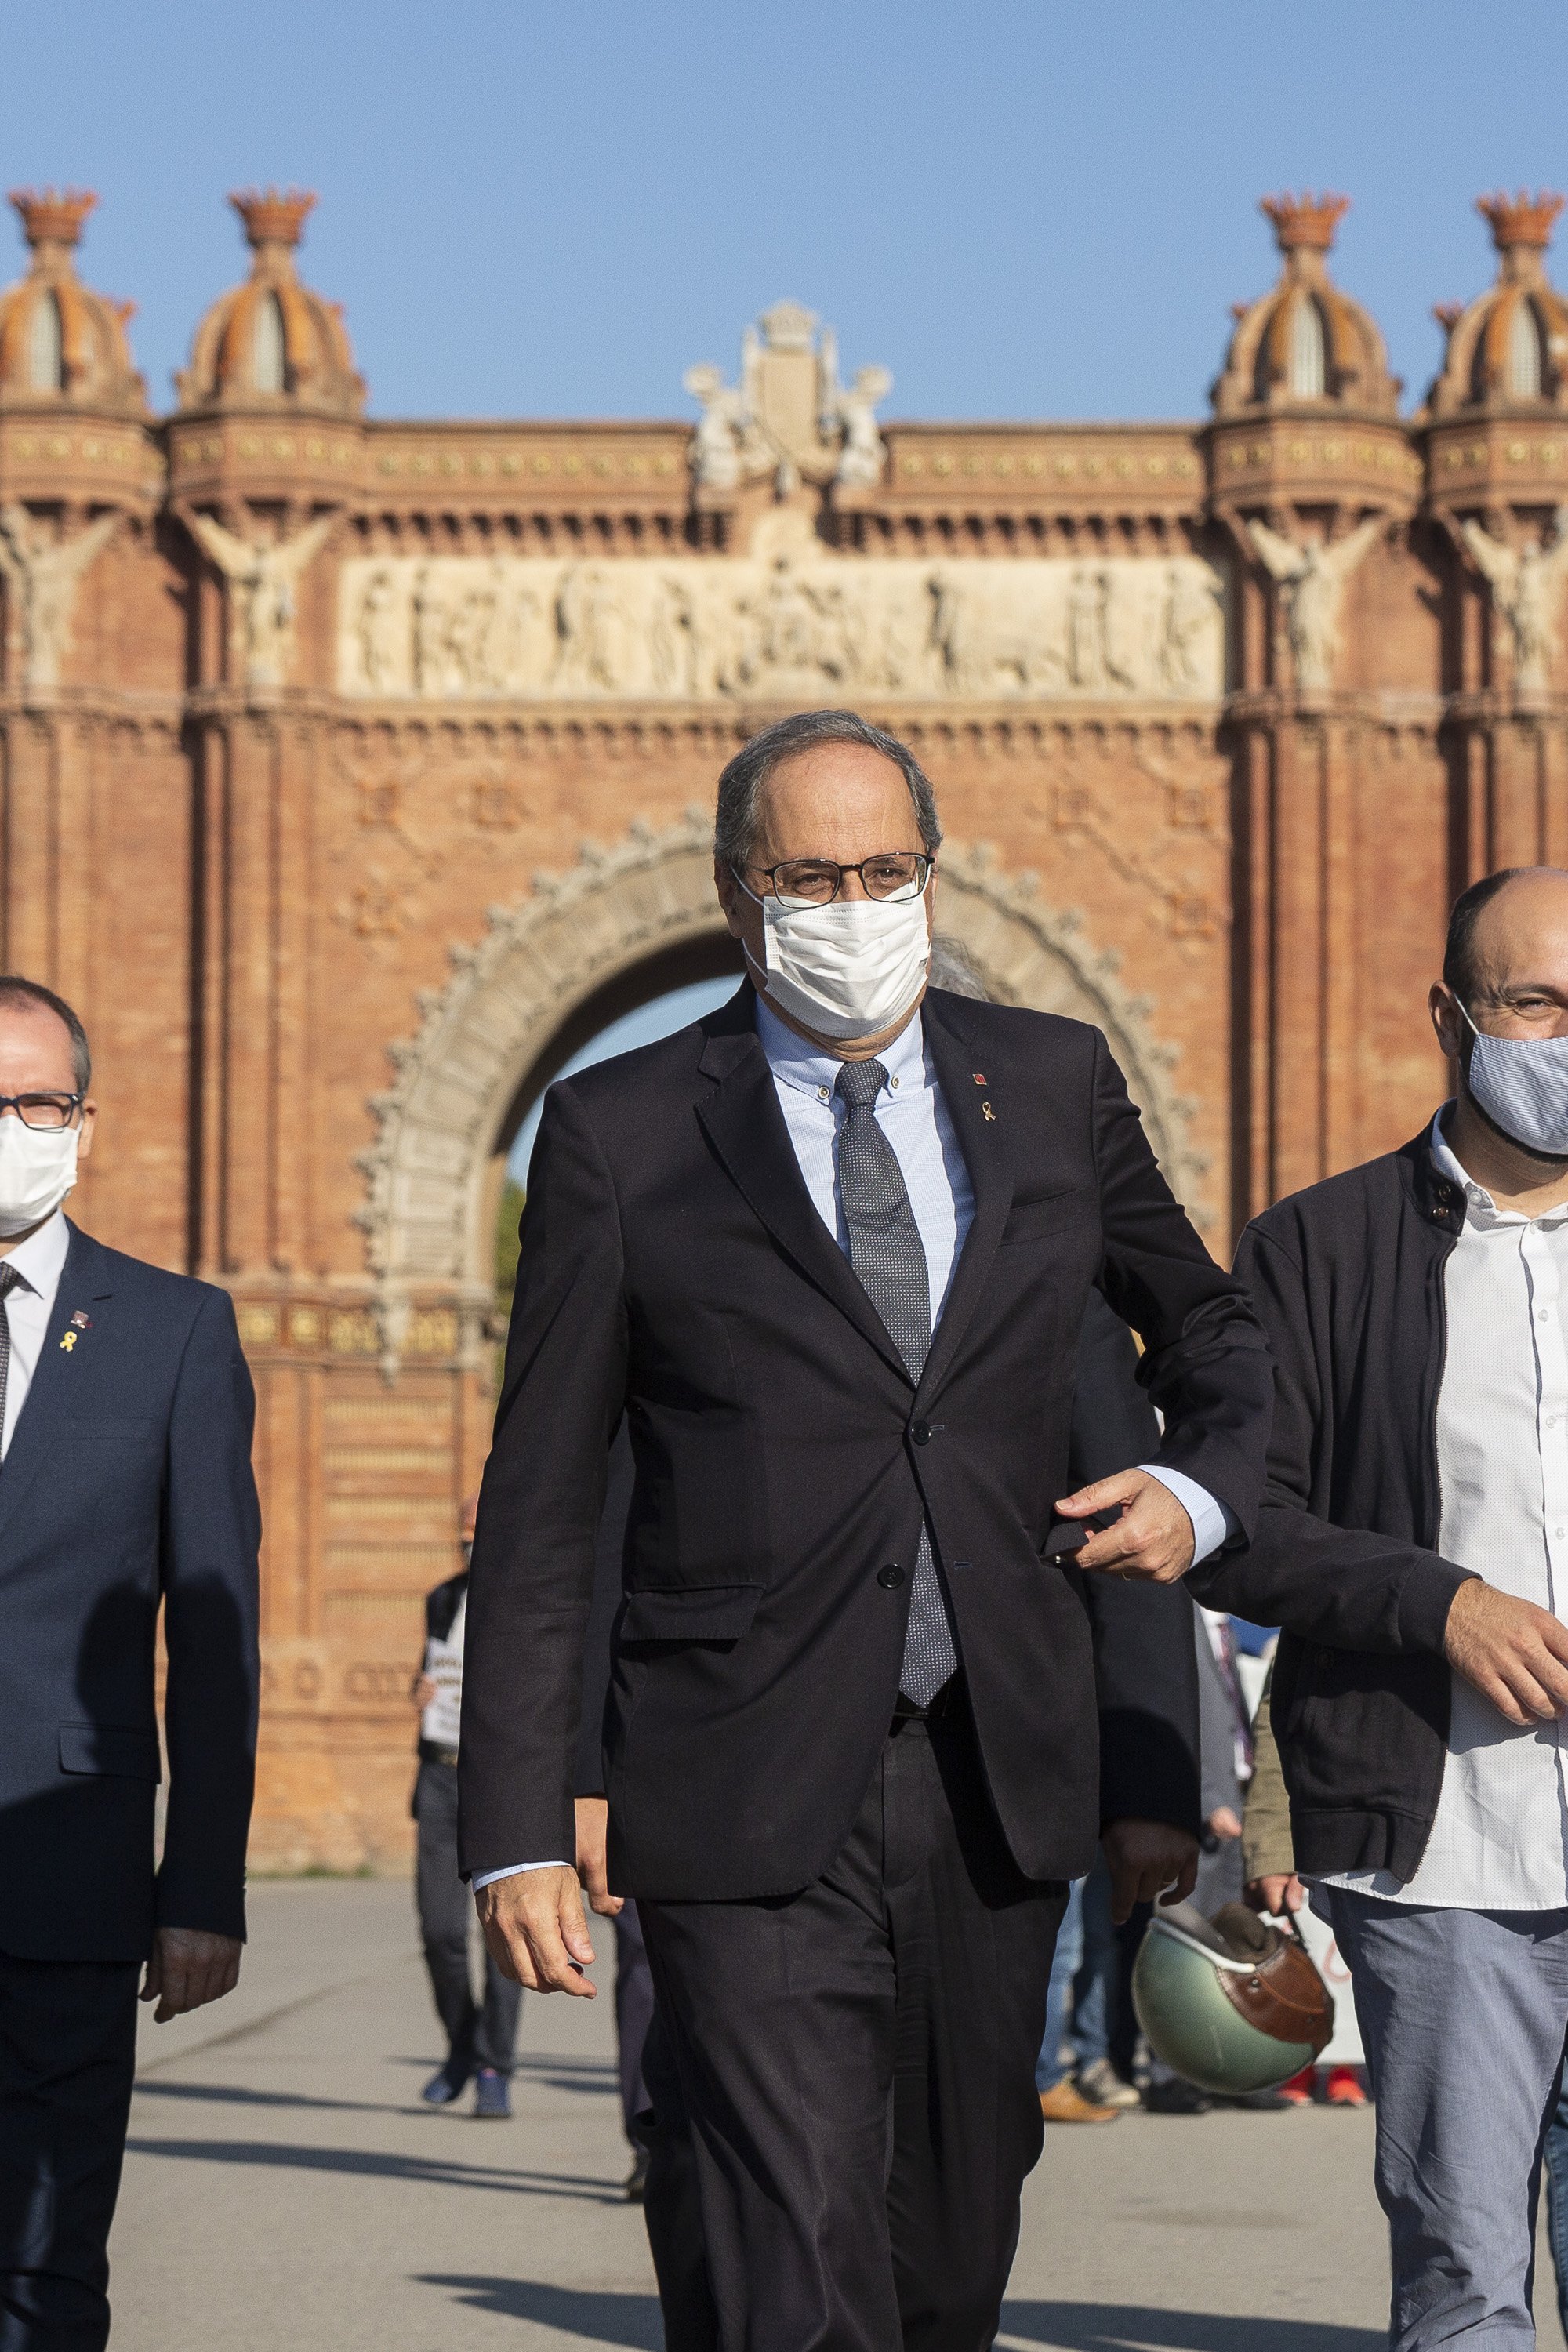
(637, 2178)
(1262, 2102)
(492, 2099)
(1104, 2085)
(1175, 2098)
(448, 2084)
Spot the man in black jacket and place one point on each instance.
(1416, 1307)
(829, 1252)
(125, 1419)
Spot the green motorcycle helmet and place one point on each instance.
(1229, 2002)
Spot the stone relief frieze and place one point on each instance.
(796, 626)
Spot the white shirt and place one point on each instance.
(38, 1263)
(1499, 1839)
(912, 1114)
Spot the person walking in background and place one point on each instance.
(1414, 1548)
(481, 2036)
(829, 1252)
(125, 1422)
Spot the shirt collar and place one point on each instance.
(808, 1067)
(1480, 1204)
(39, 1261)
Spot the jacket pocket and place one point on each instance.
(694, 1613)
(111, 1749)
(1051, 1213)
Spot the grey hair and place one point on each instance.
(16, 991)
(737, 823)
(952, 967)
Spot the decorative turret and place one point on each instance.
(63, 347)
(1508, 350)
(271, 346)
(1305, 344)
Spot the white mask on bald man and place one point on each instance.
(37, 1168)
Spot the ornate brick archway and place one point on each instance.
(458, 1078)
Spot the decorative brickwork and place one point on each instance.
(351, 768)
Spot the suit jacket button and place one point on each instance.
(921, 1433)
(890, 1577)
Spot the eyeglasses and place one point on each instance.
(817, 881)
(42, 1110)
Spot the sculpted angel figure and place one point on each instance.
(261, 584)
(42, 577)
(726, 447)
(864, 453)
(1313, 578)
(1526, 586)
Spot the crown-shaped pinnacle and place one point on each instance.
(1522, 219)
(50, 216)
(1305, 223)
(272, 216)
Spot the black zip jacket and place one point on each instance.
(1348, 1281)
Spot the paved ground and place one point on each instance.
(285, 2193)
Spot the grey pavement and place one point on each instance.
(285, 2192)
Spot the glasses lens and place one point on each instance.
(46, 1110)
(812, 880)
(898, 876)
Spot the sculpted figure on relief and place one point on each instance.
(1314, 579)
(1526, 590)
(43, 576)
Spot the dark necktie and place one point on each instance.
(889, 1260)
(10, 1278)
(1231, 1678)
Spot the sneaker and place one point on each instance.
(1344, 2089)
(1175, 2098)
(1103, 2086)
(1298, 2091)
(492, 2098)
(1064, 2103)
(447, 2085)
(637, 2178)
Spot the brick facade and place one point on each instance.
(355, 770)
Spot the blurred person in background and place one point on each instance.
(1272, 1886)
(125, 1421)
(481, 2036)
(1413, 1546)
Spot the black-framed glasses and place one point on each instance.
(42, 1110)
(895, 874)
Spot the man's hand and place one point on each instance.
(535, 1930)
(1224, 1822)
(1146, 1859)
(1515, 1653)
(422, 1692)
(592, 1867)
(1153, 1539)
(1278, 1894)
(188, 1968)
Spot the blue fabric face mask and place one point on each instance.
(1521, 1084)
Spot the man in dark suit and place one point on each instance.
(829, 1251)
(125, 1419)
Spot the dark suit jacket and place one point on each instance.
(128, 1482)
(1145, 1670)
(673, 1266)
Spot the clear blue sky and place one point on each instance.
(1025, 210)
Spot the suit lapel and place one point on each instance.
(983, 1141)
(51, 1393)
(746, 1128)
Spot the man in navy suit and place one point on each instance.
(125, 1421)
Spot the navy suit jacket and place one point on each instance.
(128, 1483)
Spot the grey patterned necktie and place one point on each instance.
(888, 1257)
(10, 1278)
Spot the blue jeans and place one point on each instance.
(1095, 1987)
(1557, 2192)
(1049, 2069)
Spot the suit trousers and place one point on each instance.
(477, 2034)
(858, 2061)
(634, 2014)
(67, 2057)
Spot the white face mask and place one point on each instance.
(1521, 1084)
(37, 1168)
(846, 969)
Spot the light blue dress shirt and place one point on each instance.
(912, 1114)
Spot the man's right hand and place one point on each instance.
(1515, 1653)
(1278, 1893)
(536, 1931)
(593, 1856)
